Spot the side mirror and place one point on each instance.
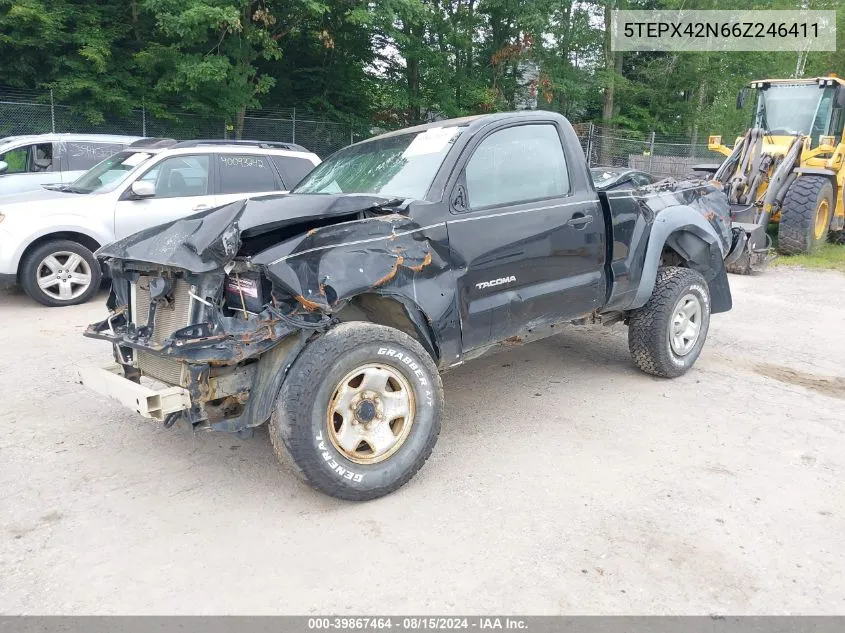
(3, 166)
(143, 189)
(740, 97)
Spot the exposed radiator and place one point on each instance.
(167, 320)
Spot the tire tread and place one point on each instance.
(645, 326)
(297, 397)
(798, 213)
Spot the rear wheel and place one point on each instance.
(805, 215)
(666, 335)
(60, 273)
(359, 412)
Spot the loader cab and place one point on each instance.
(814, 107)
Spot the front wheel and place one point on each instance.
(60, 273)
(666, 335)
(359, 412)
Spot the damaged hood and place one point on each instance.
(210, 239)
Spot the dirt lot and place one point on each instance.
(564, 481)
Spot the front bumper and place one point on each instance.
(150, 403)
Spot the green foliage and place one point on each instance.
(381, 64)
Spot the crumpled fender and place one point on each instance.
(326, 265)
(694, 237)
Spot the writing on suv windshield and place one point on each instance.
(400, 166)
(108, 174)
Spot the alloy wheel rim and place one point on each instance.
(371, 413)
(685, 324)
(63, 275)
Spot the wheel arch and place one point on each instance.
(84, 239)
(396, 311)
(682, 236)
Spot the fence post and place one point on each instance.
(293, 126)
(650, 150)
(143, 119)
(351, 134)
(52, 113)
(590, 144)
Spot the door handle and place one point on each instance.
(580, 221)
(202, 207)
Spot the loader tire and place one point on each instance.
(666, 335)
(805, 215)
(359, 412)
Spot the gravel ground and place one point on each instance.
(564, 481)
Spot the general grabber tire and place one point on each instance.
(359, 412)
(666, 335)
(805, 215)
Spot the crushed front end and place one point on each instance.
(201, 337)
(207, 313)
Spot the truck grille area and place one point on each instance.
(168, 319)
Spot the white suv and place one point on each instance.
(48, 237)
(28, 162)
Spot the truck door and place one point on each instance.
(532, 245)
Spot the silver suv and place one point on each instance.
(28, 162)
(48, 237)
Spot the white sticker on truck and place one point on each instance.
(430, 142)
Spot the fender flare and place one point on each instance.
(686, 230)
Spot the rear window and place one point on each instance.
(83, 155)
(292, 169)
(245, 174)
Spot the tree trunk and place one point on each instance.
(613, 66)
(239, 123)
(412, 76)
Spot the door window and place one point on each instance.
(180, 176)
(82, 156)
(17, 160)
(515, 165)
(292, 169)
(245, 174)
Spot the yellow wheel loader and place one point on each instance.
(789, 167)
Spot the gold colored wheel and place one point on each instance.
(822, 220)
(371, 413)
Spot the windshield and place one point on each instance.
(601, 177)
(788, 109)
(401, 166)
(109, 174)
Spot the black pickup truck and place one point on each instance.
(331, 311)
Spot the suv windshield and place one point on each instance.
(401, 166)
(788, 109)
(109, 174)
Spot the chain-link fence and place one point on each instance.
(34, 112)
(665, 157)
